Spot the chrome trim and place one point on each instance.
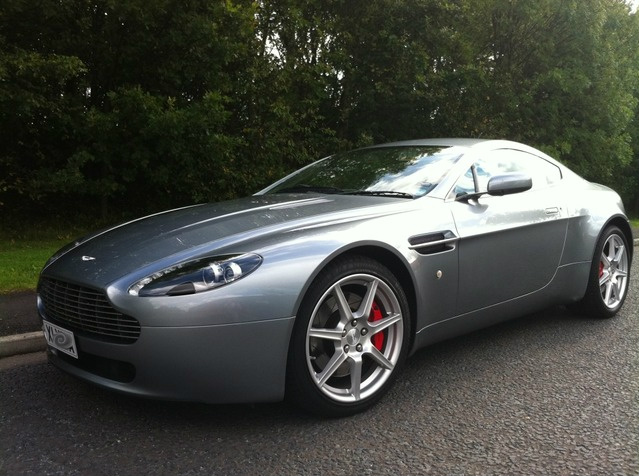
(434, 243)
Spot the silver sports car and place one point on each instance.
(319, 286)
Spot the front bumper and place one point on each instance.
(230, 363)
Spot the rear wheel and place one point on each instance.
(608, 280)
(350, 339)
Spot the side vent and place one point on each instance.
(431, 243)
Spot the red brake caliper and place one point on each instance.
(376, 315)
(601, 268)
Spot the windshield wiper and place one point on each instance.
(304, 188)
(381, 193)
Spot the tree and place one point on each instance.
(562, 76)
(154, 103)
(134, 97)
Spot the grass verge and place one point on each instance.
(24, 251)
(20, 263)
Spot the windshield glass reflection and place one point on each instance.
(403, 171)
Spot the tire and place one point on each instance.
(609, 276)
(350, 338)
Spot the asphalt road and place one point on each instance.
(551, 394)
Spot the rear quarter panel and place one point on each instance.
(591, 207)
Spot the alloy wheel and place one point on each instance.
(354, 338)
(613, 271)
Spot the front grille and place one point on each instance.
(86, 311)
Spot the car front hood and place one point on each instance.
(178, 234)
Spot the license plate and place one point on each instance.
(60, 338)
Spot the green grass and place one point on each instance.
(634, 222)
(25, 249)
(21, 262)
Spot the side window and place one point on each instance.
(542, 172)
(505, 161)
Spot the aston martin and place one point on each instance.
(319, 287)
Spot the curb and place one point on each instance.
(22, 344)
(34, 341)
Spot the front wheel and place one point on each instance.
(609, 274)
(350, 339)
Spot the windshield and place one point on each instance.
(402, 171)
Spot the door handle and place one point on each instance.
(552, 210)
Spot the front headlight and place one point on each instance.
(197, 276)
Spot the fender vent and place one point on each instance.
(431, 243)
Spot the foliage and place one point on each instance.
(112, 107)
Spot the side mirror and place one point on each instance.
(508, 184)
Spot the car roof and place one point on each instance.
(475, 145)
(467, 143)
(446, 142)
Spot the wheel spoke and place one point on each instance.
(616, 289)
(608, 293)
(619, 254)
(328, 334)
(610, 255)
(384, 323)
(356, 377)
(605, 277)
(621, 273)
(378, 357)
(344, 309)
(337, 359)
(367, 302)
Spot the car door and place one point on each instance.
(509, 245)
